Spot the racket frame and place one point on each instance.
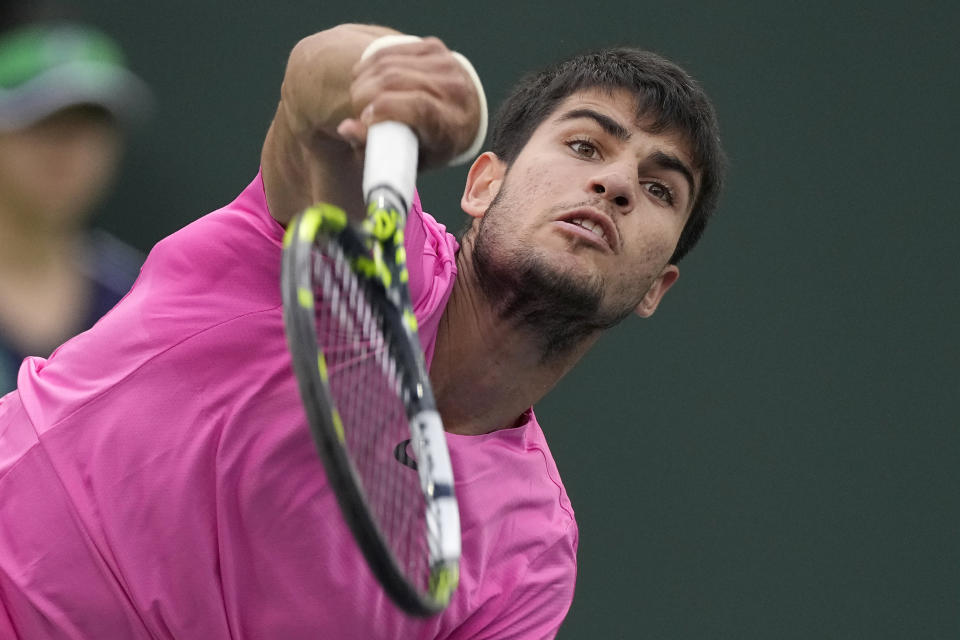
(375, 254)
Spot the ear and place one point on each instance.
(651, 300)
(483, 184)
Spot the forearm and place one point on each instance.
(313, 151)
(304, 160)
(315, 95)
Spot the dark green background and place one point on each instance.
(775, 454)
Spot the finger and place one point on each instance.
(401, 53)
(438, 86)
(420, 84)
(426, 66)
(435, 123)
(375, 82)
(442, 80)
(429, 60)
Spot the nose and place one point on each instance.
(613, 185)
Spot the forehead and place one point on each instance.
(612, 101)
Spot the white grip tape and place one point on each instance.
(391, 160)
(403, 38)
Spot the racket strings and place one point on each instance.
(369, 393)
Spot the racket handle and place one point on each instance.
(390, 161)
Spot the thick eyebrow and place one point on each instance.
(659, 158)
(607, 123)
(673, 163)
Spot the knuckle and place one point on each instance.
(392, 77)
(433, 44)
(384, 104)
(424, 110)
(459, 87)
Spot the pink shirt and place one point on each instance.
(157, 479)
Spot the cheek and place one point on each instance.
(534, 180)
(95, 166)
(647, 259)
(59, 179)
(22, 171)
(643, 265)
(531, 195)
(546, 186)
(657, 232)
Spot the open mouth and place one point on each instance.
(592, 227)
(595, 227)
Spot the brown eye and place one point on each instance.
(660, 192)
(583, 148)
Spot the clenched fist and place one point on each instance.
(423, 85)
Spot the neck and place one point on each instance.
(42, 287)
(30, 248)
(488, 370)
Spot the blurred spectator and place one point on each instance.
(66, 99)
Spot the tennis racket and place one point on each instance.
(360, 368)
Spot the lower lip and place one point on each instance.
(583, 234)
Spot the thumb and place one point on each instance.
(353, 131)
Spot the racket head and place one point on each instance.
(362, 380)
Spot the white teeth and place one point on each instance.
(589, 225)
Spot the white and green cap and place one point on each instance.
(44, 69)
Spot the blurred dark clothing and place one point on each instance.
(112, 266)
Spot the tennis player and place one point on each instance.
(156, 475)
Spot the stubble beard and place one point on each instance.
(558, 307)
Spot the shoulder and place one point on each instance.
(431, 251)
(431, 264)
(230, 256)
(423, 230)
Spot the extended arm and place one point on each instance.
(313, 149)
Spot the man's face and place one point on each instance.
(53, 172)
(596, 203)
